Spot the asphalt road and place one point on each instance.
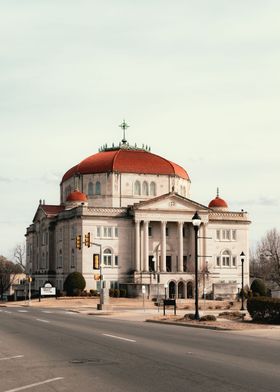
(54, 350)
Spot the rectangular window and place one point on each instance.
(233, 235)
(105, 232)
(234, 261)
(218, 261)
(110, 232)
(116, 261)
(150, 231)
(228, 234)
(98, 231)
(116, 232)
(218, 234)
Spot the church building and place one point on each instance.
(136, 207)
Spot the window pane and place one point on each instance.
(98, 188)
(218, 261)
(233, 233)
(116, 232)
(109, 231)
(116, 260)
(98, 232)
(218, 234)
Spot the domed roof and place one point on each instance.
(126, 160)
(218, 202)
(76, 196)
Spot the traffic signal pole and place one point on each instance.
(97, 262)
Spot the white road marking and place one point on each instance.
(118, 337)
(7, 311)
(14, 357)
(43, 321)
(22, 311)
(35, 385)
(46, 311)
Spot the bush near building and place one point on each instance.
(264, 309)
(258, 288)
(74, 283)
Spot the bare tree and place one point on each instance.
(8, 271)
(268, 256)
(19, 256)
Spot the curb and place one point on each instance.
(214, 328)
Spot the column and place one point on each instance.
(137, 245)
(163, 247)
(180, 246)
(146, 246)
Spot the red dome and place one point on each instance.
(76, 196)
(126, 161)
(218, 203)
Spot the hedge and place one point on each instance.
(264, 309)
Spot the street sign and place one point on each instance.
(143, 289)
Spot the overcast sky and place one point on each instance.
(196, 80)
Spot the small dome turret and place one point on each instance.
(218, 203)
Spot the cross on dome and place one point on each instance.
(124, 126)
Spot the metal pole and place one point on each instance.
(242, 284)
(196, 316)
(29, 291)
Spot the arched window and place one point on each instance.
(67, 191)
(226, 258)
(97, 188)
(145, 188)
(137, 188)
(153, 189)
(90, 189)
(107, 257)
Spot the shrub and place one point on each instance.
(264, 309)
(258, 288)
(189, 316)
(208, 317)
(74, 283)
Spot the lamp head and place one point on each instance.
(196, 220)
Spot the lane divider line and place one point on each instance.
(43, 321)
(118, 337)
(14, 357)
(35, 384)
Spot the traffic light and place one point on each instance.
(96, 261)
(87, 240)
(79, 242)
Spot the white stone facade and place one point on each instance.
(142, 223)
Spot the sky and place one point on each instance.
(197, 80)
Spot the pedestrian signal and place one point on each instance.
(79, 242)
(87, 240)
(96, 261)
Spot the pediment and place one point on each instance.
(169, 202)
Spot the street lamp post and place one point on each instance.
(242, 257)
(196, 221)
(165, 290)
